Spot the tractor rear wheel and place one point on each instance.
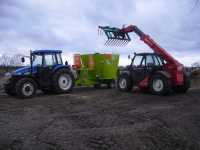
(26, 88)
(159, 85)
(63, 81)
(124, 83)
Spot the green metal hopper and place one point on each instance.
(96, 69)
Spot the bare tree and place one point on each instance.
(7, 60)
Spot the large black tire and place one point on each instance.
(184, 87)
(63, 81)
(124, 83)
(25, 88)
(159, 85)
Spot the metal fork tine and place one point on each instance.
(122, 43)
(99, 32)
(126, 42)
(112, 41)
(108, 44)
(115, 42)
(119, 43)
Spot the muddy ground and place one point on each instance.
(101, 119)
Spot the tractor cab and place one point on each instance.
(44, 63)
(44, 58)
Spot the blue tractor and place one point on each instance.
(46, 72)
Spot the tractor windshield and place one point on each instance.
(37, 60)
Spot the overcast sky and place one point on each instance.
(71, 25)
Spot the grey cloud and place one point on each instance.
(72, 25)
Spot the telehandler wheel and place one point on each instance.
(124, 83)
(26, 88)
(63, 81)
(184, 87)
(159, 85)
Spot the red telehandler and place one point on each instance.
(157, 72)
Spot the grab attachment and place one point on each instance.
(116, 37)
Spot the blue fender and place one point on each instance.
(57, 67)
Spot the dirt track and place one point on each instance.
(89, 119)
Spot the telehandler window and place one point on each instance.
(137, 60)
(149, 60)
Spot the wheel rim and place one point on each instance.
(158, 85)
(122, 83)
(65, 82)
(28, 89)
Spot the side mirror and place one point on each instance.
(129, 56)
(66, 63)
(22, 59)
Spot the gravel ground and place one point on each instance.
(103, 119)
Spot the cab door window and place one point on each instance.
(37, 60)
(59, 59)
(49, 60)
(160, 60)
(156, 61)
(137, 61)
(149, 60)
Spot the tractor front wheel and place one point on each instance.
(63, 81)
(159, 85)
(124, 83)
(26, 88)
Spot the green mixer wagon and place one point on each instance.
(96, 69)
